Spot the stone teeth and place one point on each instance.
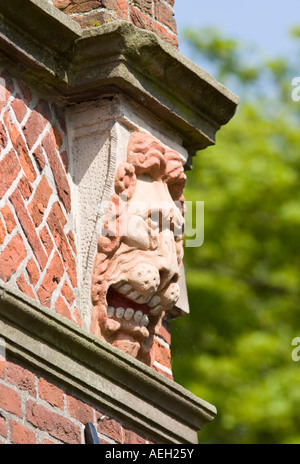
(124, 289)
(120, 312)
(129, 292)
(138, 316)
(155, 311)
(128, 314)
(143, 299)
(144, 321)
(110, 311)
(155, 300)
(134, 295)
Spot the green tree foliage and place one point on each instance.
(234, 349)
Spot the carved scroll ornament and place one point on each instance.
(140, 251)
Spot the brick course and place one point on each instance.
(53, 423)
(35, 410)
(11, 257)
(20, 434)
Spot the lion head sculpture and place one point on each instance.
(140, 251)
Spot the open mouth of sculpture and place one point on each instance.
(135, 312)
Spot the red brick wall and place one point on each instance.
(37, 250)
(160, 353)
(154, 15)
(34, 410)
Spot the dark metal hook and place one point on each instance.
(90, 435)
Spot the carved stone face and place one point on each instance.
(136, 268)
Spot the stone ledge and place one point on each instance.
(44, 45)
(130, 390)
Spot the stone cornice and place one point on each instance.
(44, 45)
(126, 388)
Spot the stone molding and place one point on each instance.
(78, 65)
(128, 389)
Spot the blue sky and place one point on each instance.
(262, 22)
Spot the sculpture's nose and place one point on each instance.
(148, 278)
(167, 275)
(170, 295)
(145, 277)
